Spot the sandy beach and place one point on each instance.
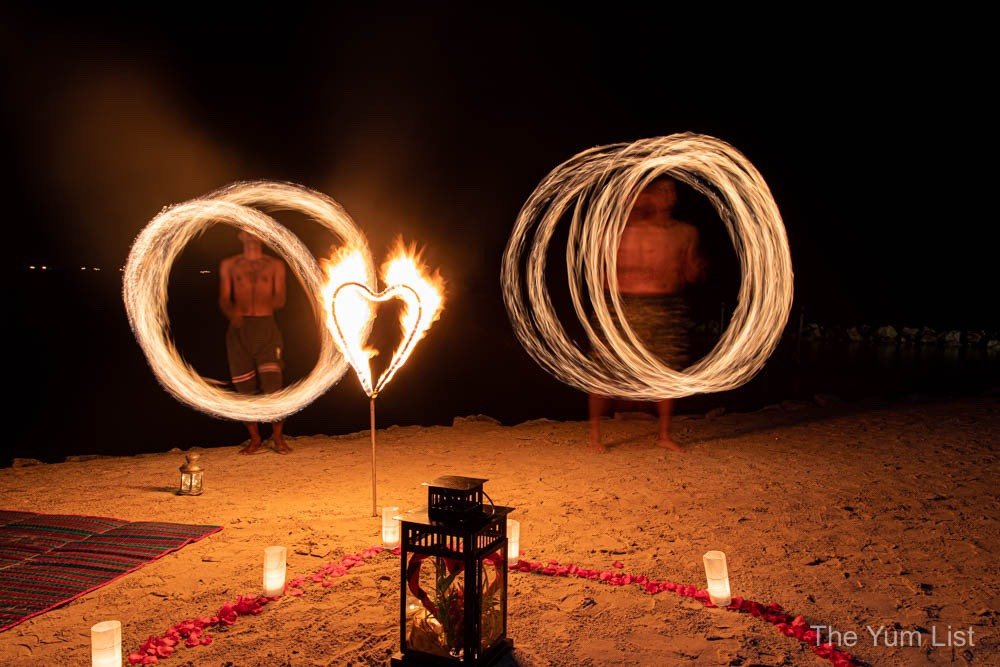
(858, 516)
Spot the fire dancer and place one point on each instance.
(657, 257)
(251, 288)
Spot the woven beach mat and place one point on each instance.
(47, 560)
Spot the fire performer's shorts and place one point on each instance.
(255, 347)
(661, 322)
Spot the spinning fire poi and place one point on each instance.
(595, 191)
(346, 297)
(147, 273)
(349, 311)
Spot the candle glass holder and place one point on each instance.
(390, 527)
(513, 541)
(274, 571)
(106, 644)
(717, 573)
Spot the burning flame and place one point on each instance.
(348, 313)
(348, 301)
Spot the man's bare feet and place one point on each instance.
(254, 447)
(281, 446)
(597, 446)
(668, 443)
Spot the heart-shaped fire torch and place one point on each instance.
(349, 301)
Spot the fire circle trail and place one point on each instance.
(594, 191)
(147, 273)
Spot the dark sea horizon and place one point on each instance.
(84, 387)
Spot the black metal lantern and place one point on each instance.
(453, 586)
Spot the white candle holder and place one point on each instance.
(717, 574)
(274, 571)
(106, 644)
(390, 527)
(513, 541)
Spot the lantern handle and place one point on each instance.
(493, 507)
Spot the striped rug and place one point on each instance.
(46, 560)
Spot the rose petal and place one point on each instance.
(618, 564)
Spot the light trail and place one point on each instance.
(147, 273)
(596, 189)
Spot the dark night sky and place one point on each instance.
(440, 124)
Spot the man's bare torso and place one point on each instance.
(655, 257)
(657, 254)
(252, 284)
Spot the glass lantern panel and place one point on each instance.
(196, 482)
(185, 482)
(435, 613)
(492, 574)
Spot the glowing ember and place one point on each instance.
(349, 300)
(595, 191)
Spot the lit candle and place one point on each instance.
(274, 571)
(513, 541)
(718, 578)
(390, 527)
(106, 644)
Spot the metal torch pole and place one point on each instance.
(372, 411)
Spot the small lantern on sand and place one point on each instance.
(191, 475)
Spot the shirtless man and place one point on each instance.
(657, 257)
(251, 288)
